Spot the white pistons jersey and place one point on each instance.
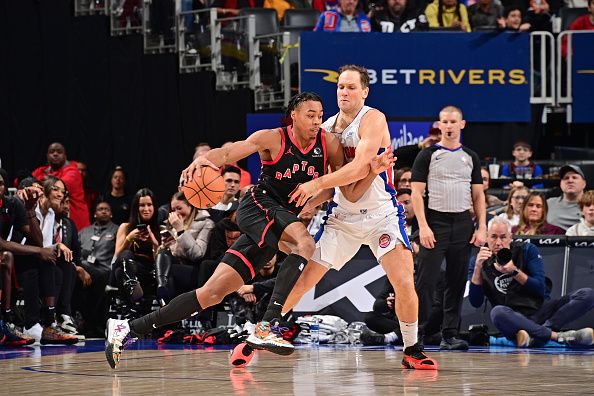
(382, 191)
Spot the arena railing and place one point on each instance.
(196, 33)
(121, 24)
(564, 77)
(542, 68)
(155, 42)
(90, 7)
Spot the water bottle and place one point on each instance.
(314, 332)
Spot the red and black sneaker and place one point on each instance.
(414, 358)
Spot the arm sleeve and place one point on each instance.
(476, 177)
(464, 15)
(476, 296)
(534, 268)
(195, 249)
(420, 168)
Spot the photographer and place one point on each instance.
(511, 276)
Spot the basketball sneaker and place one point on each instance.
(52, 335)
(10, 336)
(118, 338)
(268, 338)
(415, 358)
(581, 337)
(68, 327)
(241, 355)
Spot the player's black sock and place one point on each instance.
(181, 307)
(288, 274)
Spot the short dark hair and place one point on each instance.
(507, 10)
(28, 182)
(522, 143)
(402, 191)
(232, 169)
(300, 98)
(363, 73)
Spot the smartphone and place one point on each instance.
(141, 227)
(165, 234)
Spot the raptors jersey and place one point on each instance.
(381, 190)
(292, 166)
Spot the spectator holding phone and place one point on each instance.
(136, 244)
(183, 245)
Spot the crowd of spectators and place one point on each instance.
(75, 256)
(129, 252)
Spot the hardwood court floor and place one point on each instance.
(148, 369)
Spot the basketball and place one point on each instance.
(206, 190)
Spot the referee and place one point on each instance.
(451, 175)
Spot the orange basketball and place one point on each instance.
(206, 190)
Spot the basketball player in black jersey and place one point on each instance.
(290, 156)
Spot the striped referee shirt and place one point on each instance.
(448, 174)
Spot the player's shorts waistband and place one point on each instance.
(365, 213)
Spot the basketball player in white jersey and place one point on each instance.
(375, 218)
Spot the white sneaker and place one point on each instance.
(68, 327)
(118, 337)
(34, 332)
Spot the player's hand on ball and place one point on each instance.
(188, 173)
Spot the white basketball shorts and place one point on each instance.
(342, 234)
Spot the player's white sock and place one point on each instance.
(390, 337)
(409, 333)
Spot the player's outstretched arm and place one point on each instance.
(262, 140)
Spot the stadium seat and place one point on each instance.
(568, 15)
(302, 19)
(266, 19)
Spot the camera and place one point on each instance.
(503, 256)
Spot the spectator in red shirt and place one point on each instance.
(90, 193)
(585, 22)
(68, 172)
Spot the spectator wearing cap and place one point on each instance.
(564, 211)
(522, 165)
(586, 225)
(67, 171)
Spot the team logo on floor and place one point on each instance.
(384, 240)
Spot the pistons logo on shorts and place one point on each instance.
(384, 240)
